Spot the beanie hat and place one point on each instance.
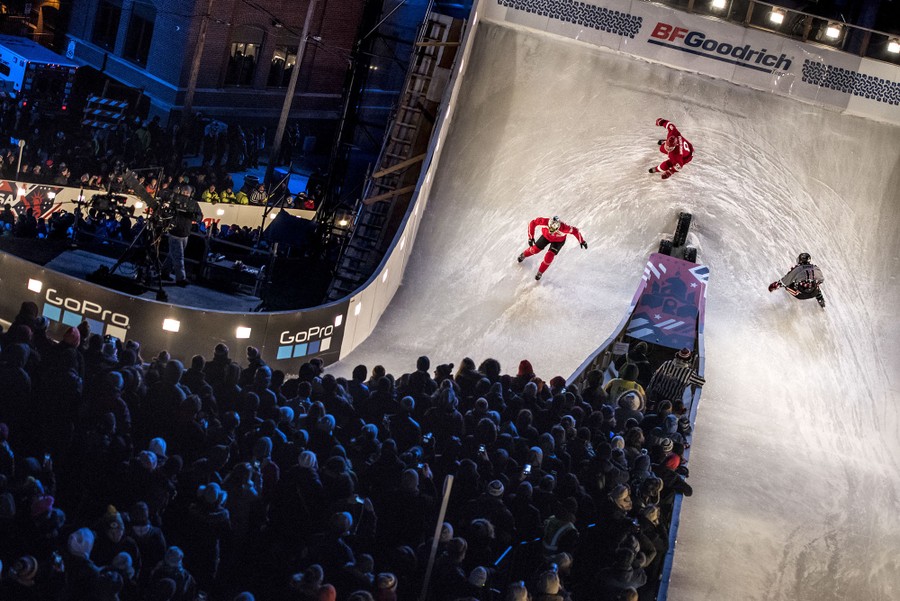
(308, 460)
(495, 488)
(123, 563)
(386, 581)
(666, 445)
(549, 583)
(478, 577)
(173, 557)
(148, 459)
(446, 532)
(25, 568)
(158, 447)
(72, 337)
(81, 542)
(221, 350)
(252, 352)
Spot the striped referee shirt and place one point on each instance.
(671, 378)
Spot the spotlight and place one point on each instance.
(171, 325)
(833, 31)
(343, 223)
(718, 4)
(894, 46)
(242, 332)
(776, 16)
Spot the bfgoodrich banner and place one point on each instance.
(724, 50)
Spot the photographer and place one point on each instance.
(186, 212)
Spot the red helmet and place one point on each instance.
(671, 142)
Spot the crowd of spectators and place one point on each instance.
(135, 478)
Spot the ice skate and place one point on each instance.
(538, 276)
(521, 257)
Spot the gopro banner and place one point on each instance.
(746, 56)
(285, 340)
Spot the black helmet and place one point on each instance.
(803, 259)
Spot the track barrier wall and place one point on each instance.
(758, 59)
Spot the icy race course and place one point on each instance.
(797, 441)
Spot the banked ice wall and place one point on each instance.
(745, 56)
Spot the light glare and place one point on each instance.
(35, 285)
(171, 325)
(242, 332)
(776, 16)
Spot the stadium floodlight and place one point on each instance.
(242, 332)
(35, 285)
(833, 31)
(776, 16)
(894, 46)
(171, 325)
(718, 4)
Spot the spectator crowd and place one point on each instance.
(127, 478)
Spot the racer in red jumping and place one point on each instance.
(676, 147)
(554, 234)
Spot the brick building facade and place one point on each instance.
(246, 60)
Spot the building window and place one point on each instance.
(140, 33)
(283, 62)
(241, 64)
(106, 23)
(243, 56)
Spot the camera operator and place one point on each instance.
(186, 211)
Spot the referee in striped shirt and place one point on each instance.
(672, 377)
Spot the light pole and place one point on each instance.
(289, 95)
(19, 165)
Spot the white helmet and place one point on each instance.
(553, 224)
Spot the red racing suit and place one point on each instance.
(554, 239)
(679, 156)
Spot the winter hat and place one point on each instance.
(221, 350)
(341, 522)
(326, 423)
(548, 583)
(478, 577)
(386, 581)
(81, 542)
(308, 460)
(618, 442)
(148, 459)
(24, 568)
(684, 354)
(495, 488)
(212, 494)
(112, 519)
(41, 505)
(672, 461)
(123, 563)
(173, 557)
(666, 445)
(252, 352)
(446, 532)
(327, 592)
(630, 372)
(158, 447)
(72, 337)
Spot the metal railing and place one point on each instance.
(829, 31)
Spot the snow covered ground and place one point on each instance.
(796, 459)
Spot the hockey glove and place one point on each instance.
(774, 286)
(661, 122)
(660, 142)
(584, 245)
(531, 242)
